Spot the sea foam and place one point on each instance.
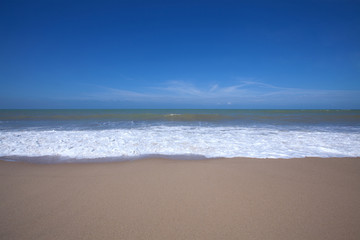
(209, 142)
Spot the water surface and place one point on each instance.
(102, 135)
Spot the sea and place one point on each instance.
(100, 135)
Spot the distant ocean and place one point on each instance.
(52, 136)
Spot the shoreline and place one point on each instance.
(51, 160)
(235, 198)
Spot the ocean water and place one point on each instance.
(53, 136)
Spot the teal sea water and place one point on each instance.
(101, 135)
(84, 118)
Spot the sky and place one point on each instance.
(180, 54)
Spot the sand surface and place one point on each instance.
(181, 199)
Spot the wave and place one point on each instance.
(208, 142)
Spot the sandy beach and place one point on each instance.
(309, 198)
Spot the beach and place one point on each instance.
(237, 198)
(180, 120)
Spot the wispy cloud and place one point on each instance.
(242, 94)
(113, 94)
(180, 88)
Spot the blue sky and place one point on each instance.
(180, 54)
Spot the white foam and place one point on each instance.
(181, 140)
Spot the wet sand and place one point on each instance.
(238, 198)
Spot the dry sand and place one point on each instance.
(173, 199)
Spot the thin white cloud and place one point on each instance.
(114, 94)
(180, 88)
(242, 94)
(214, 87)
